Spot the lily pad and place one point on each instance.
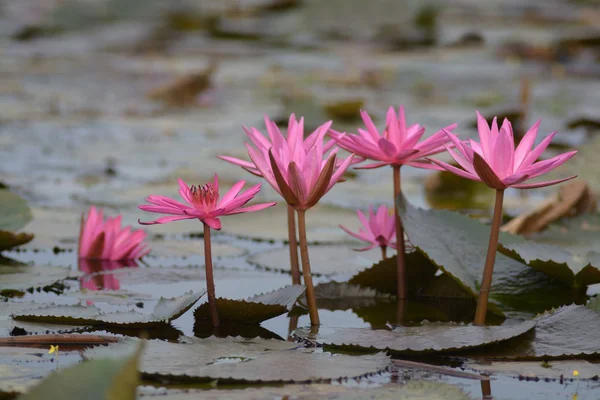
(255, 309)
(233, 360)
(21, 278)
(343, 296)
(8, 326)
(115, 379)
(458, 245)
(14, 213)
(534, 369)
(566, 332)
(324, 260)
(165, 311)
(429, 338)
(8, 240)
(412, 390)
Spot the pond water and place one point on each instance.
(101, 111)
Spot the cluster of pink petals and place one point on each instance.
(495, 160)
(299, 169)
(203, 203)
(398, 145)
(106, 240)
(294, 140)
(378, 229)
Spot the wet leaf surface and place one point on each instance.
(429, 338)
(8, 326)
(241, 360)
(21, 278)
(164, 311)
(535, 369)
(255, 309)
(414, 390)
(566, 332)
(458, 245)
(115, 378)
(325, 260)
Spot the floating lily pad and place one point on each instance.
(324, 260)
(23, 368)
(8, 240)
(14, 212)
(242, 360)
(115, 378)
(429, 338)
(566, 332)
(458, 245)
(412, 390)
(114, 297)
(21, 278)
(186, 248)
(255, 309)
(343, 296)
(8, 326)
(165, 310)
(534, 369)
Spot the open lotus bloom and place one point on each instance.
(299, 170)
(377, 230)
(495, 160)
(294, 141)
(203, 203)
(107, 240)
(398, 145)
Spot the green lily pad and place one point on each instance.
(577, 235)
(239, 360)
(115, 379)
(21, 278)
(254, 310)
(8, 240)
(14, 212)
(165, 311)
(425, 339)
(412, 390)
(324, 260)
(458, 245)
(567, 332)
(8, 325)
(542, 370)
(344, 296)
(23, 368)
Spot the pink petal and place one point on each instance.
(370, 125)
(542, 184)
(484, 134)
(526, 145)
(237, 161)
(230, 195)
(537, 152)
(252, 208)
(392, 128)
(184, 191)
(454, 170)
(164, 220)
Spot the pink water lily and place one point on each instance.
(398, 145)
(495, 161)
(378, 229)
(294, 141)
(204, 203)
(107, 240)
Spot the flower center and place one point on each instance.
(204, 197)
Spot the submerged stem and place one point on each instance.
(310, 290)
(210, 280)
(294, 263)
(486, 282)
(401, 267)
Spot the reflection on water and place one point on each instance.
(96, 276)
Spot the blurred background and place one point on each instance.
(107, 101)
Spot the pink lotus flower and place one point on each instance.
(106, 240)
(299, 170)
(496, 162)
(378, 230)
(398, 145)
(295, 139)
(203, 203)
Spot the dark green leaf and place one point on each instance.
(14, 211)
(8, 240)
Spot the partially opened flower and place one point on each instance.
(396, 146)
(107, 240)
(294, 142)
(203, 203)
(377, 230)
(496, 162)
